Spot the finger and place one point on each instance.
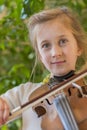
(1, 110)
(6, 112)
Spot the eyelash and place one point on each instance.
(45, 45)
(62, 41)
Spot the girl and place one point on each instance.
(59, 42)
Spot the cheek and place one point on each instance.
(72, 58)
(72, 51)
(44, 58)
(71, 54)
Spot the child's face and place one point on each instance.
(57, 47)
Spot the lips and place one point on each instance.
(58, 62)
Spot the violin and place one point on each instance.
(69, 98)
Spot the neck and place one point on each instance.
(59, 79)
(66, 76)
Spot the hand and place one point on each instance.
(4, 111)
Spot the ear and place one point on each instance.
(79, 51)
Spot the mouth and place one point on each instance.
(58, 62)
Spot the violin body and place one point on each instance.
(79, 106)
(77, 103)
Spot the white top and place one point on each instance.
(20, 95)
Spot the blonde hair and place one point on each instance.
(67, 17)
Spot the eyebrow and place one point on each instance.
(44, 41)
(60, 36)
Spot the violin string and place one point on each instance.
(65, 112)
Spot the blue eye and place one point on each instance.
(62, 42)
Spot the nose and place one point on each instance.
(56, 51)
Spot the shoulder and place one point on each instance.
(20, 93)
(28, 87)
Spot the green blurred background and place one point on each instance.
(17, 57)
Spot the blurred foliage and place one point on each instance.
(17, 57)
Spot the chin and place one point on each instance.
(61, 72)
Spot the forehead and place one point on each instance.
(54, 26)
